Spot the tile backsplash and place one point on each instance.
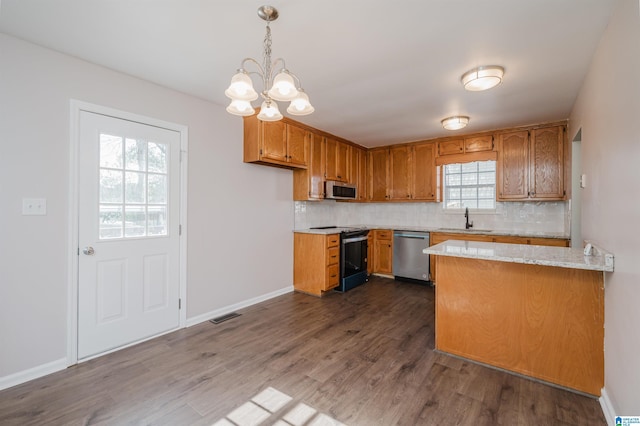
(524, 217)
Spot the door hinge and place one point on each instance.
(78, 251)
(260, 151)
(179, 304)
(179, 229)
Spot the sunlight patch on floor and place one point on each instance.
(267, 403)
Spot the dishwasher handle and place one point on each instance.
(412, 235)
(415, 237)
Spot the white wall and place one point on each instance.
(240, 244)
(608, 111)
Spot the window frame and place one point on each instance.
(458, 210)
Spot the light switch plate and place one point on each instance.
(34, 206)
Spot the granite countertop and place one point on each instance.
(563, 257)
(444, 230)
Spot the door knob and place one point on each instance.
(89, 251)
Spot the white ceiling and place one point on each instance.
(377, 72)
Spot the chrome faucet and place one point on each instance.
(468, 224)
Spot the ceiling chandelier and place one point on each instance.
(482, 78)
(285, 86)
(455, 123)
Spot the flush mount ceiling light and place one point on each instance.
(482, 78)
(284, 86)
(455, 123)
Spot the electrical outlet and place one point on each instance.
(34, 206)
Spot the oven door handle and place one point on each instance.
(354, 239)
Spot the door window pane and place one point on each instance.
(157, 157)
(110, 221)
(135, 190)
(135, 155)
(133, 193)
(110, 151)
(157, 189)
(135, 221)
(110, 186)
(157, 220)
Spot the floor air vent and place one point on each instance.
(225, 317)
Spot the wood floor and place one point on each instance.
(364, 357)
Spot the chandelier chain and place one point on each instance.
(267, 58)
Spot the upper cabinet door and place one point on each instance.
(513, 166)
(297, 145)
(399, 173)
(274, 140)
(331, 152)
(448, 147)
(362, 173)
(478, 144)
(547, 163)
(337, 160)
(424, 172)
(378, 174)
(358, 171)
(343, 152)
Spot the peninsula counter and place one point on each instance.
(533, 310)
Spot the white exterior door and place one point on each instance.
(129, 206)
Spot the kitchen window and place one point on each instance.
(470, 185)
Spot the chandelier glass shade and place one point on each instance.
(284, 86)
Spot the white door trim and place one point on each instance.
(76, 107)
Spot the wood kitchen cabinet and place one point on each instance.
(316, 262)
(478, 143)
(423, 172)
(439, 237)
(308, 184)
(337, 160)
(383, 251)
(358, 171)
(546, 178)
(378, 174)
(276, 143)
(450, 147)
(400, 173)
(531, 165)
(410, 173)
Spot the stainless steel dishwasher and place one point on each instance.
(409, 262)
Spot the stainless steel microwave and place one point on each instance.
(335, 190)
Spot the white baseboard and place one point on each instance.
(230, 308)
(607, 408)
(32, 373)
